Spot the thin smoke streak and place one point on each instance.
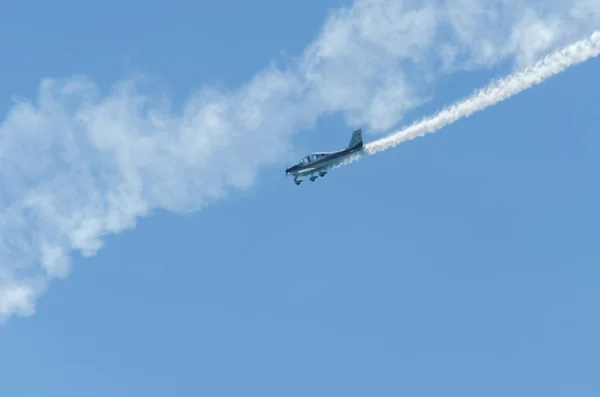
(494, 93)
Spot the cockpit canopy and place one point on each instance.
(313, 157)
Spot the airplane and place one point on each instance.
(320, 162)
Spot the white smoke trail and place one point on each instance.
(494, 93)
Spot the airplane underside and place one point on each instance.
(312, 177)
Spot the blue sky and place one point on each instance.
(461, 263)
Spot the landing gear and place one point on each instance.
(312, 177)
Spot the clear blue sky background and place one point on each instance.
(463, 263)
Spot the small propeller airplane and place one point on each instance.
(320, 162)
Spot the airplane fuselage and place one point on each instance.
(328, 161)
(321, 162)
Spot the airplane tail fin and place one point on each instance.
(356, 140)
